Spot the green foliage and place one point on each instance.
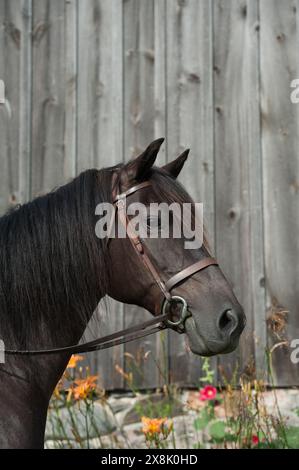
(292, 437)
(208, 378)
(202, 421)
(217, 431)
(163, 408)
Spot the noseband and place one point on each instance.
(163, 318)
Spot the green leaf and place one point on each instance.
(201, 421)
(292, 435)
(217, 430)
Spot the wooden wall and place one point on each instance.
(90, 83)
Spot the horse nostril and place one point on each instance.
(228, 321)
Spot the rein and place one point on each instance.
(162, 320)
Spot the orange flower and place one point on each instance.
(152, 426)
(83, 388)
(73, 361)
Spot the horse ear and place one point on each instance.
(174, 168)
(138, 168)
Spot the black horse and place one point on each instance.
(54, 270)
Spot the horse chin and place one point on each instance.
(196, 342)
(206, 348)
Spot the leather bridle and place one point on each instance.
(162, 319)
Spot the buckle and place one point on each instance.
(183, 315)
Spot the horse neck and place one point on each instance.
(49, 320)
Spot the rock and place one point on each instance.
(121, 407)
(78, 422)
(118, 404)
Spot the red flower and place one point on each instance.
(207, 393)
(255, 439)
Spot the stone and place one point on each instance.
(78, 422)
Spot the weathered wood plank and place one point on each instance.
(100, 139)
(190, 125)
(238, 166)
(144, 115)
(100, 84)
(51, 91)
(160, 98)
(280, 132)
(70, 83)
(15, 71)
(25, 143)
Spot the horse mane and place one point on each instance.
(53, 268)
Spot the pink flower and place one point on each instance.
(254, 439)
(207, 393)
